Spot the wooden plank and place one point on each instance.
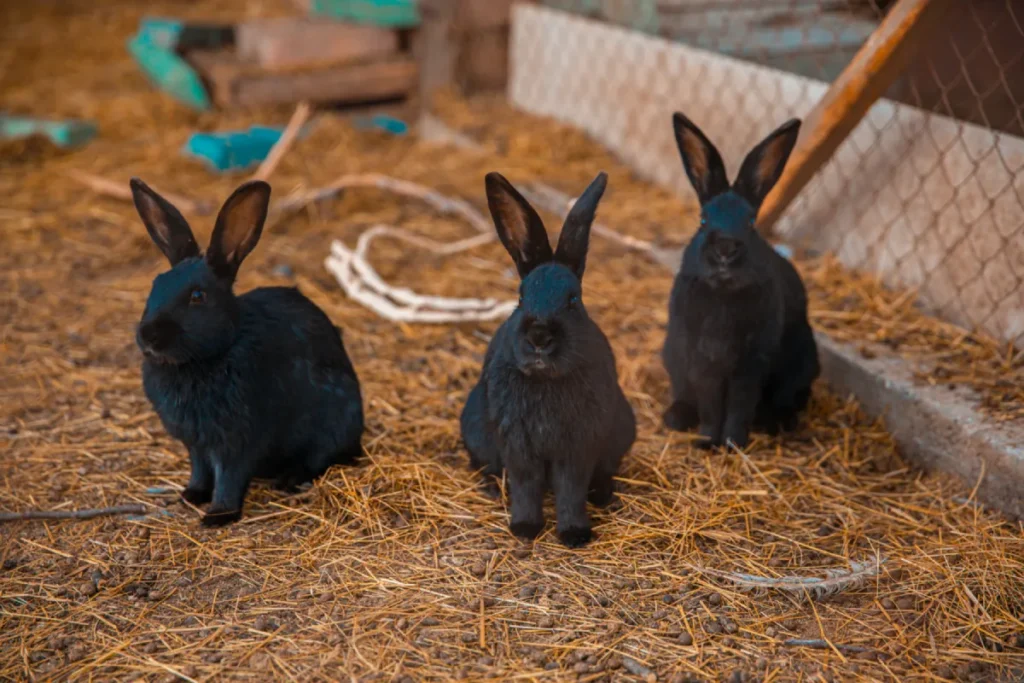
(234, 83)
(353, 83)
(293, 43)
(873, 69)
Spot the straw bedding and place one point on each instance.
(401, 568)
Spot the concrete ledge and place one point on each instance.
(937, 428)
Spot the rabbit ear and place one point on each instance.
(763, 166)
(575, 237)
(238, 228)
(701, 160)
(165, 224)
(519, 226)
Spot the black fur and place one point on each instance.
(257, 385)
(739, 350)
(548, 406)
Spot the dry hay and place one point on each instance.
(400, 568)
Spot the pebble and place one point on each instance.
(944, 672)
(469, 637)
(265, 622)
(429, 621)
(521, 552)
(685, 639)
(478, 569)
(905, 603)
(485, 661)
(546, 622)
(713, 627)
(731, 627)
(770, 631)
(10, 563)
(76, 653)
(88, 589)
(715, 600)
(1019, 640)
(887, 603)
(551, 666)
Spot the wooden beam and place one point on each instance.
(907, 27)
(234, 83)
(288, 43)
(436, 49)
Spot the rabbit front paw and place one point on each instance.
(575, 537)
(218, 517)
(197, 496)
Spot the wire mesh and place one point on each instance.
(927, 192)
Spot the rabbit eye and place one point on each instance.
(197, 296)
(574, 299)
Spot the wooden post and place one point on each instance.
(436, 47)
(909, 25)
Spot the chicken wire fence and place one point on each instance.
(928, 190)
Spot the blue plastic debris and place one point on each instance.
(388, 124)
(156, 48)
(388, 13)
(168, 71)
(235, 150)
(68, 133)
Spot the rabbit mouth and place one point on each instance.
(535, 365)
(159, 358)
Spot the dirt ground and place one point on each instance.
(400, 568)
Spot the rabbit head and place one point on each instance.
(729, 212)
(191, 313)
(550, 325)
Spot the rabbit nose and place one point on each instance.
(540, 338)
(158, 334)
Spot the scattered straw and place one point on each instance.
(401, 569)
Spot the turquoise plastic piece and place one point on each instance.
(388, 13)
(67, 134)
(388, 124)
(233, 150)
(161, 32)
(153, 48)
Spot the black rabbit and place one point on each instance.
(257, 385)
(739, 350)
(548, 407)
